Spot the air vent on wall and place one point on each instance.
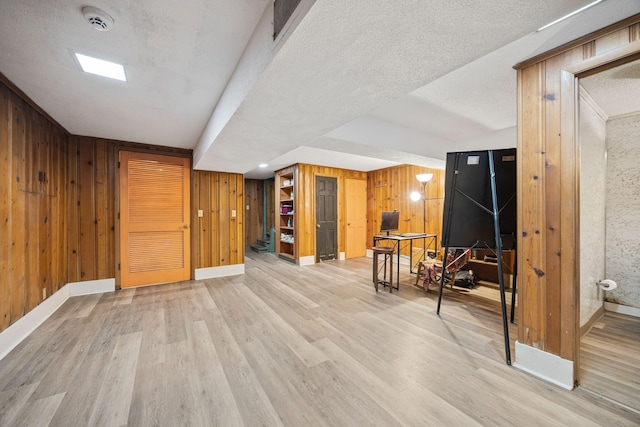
(98, 19)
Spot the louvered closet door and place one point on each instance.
(154, 219)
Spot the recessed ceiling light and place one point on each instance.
(263, 165)
(570, 15)
(101, 67)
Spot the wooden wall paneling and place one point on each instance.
(87, 213)
(531, 216)
(53, 172)
(72, 210)
(570, 221)
(214, 206)
(18, 140)
(549, 176)
(253, 219)
(5, 208)
(207, 236)
(250, 223)
(113, 198)
(36, 211)
(271, 205)
(219, 238)
(259, 200)
(32, 242)
(18, 259)
(612, 41)
(390, 189)
(195, 220)
(552, 149)
(234, 222)
(224, 218)
(239, 246)
(103, 211)
(42, 252)
(306, 205)
(57, 219)
(62, 228)
(28, 149)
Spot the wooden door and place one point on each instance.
(356, 216)
(326, 218)
(154, 219)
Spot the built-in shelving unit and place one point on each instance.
(286, 222)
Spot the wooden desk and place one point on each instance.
(397, 242)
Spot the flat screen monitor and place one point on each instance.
(390, 221)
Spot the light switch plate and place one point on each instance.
(200, 213)
(233, 213)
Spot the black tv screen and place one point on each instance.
(390, 221)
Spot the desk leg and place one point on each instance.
(411, 256)
(398, 275)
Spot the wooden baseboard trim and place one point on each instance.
(584, 329)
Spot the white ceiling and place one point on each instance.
(357, 84)
(616, 91)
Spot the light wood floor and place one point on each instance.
(282, 345)
(610, 360)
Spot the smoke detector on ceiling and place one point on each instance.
(98, 19)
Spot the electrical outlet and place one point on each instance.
(44, 293)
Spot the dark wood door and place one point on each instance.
(326, 218)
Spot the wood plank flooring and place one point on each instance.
(284, 345)
(610, 360)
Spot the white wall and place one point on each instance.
(623, 209)
(593, 172)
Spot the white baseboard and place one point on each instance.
(220, 271)
(18, 331)
(546, 366)
(307, 260)
(91, 287)
(622, 309)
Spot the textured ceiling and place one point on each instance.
(361, 84)
(616, 91)
(178, 58)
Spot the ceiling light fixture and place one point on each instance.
(101, 67)
(569, 15)
(263, 165)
